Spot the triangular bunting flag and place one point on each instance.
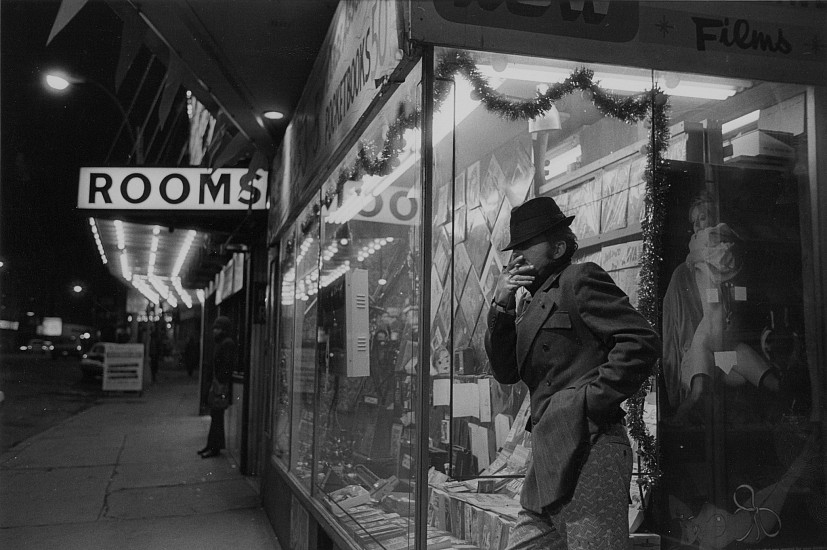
(132, 37)
(231, 151)
(218, 135)
(67, 11)
(258, 162)
(173, 82)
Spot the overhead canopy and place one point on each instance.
(240, 59)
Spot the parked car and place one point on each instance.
(66, 346)
(39, 346)
(91, 363)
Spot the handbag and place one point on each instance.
(219, 396)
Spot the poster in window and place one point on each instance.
(523, 175)
(637, 191)
(459, 190)
(462, 265)
(436, 291)
(490, 275)
(614, 195)
(442, 204)
(501, 234)
(584, 204)
(459, 224)
(441, 250)
(472, 183)
(490, 195)
(479, 238)
(472, 298)
(734, 365)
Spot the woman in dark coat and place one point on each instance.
(224, 358)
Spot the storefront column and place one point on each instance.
(817, 170)
(423, 399)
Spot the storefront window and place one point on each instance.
(365, 294)
(486, 163)
(285, 293)
(739, 440)
(305, 312)
(734, 395)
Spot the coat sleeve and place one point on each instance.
(501, 346)
(633, 345)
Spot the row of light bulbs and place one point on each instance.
(150, 286)
(311, 283)
(98, 242)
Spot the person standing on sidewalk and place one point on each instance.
(218, 398)
(572, 336)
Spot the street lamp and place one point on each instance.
(77, 289)
(61, 81)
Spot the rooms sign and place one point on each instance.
(137, 188)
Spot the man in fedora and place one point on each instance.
(572, 336)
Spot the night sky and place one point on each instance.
(45, 243)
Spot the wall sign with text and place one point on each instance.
(137, 188)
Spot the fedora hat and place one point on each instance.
(534, 217)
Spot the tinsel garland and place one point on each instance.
(651, 106)
(628, 109)
(652, 228)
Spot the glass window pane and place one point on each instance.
(486, 164)
(368, 303)
(285, 295)
(305, 314)
(736, 396)
(739, 394)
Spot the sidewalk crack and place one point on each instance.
(105, 506)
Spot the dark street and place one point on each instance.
(39, 393)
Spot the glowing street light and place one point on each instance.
(77, 289)
(60, 81)
(57, 82)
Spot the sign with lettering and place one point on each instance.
(138, 188)
(123, 367)
(607, 21)
(733, 33)
(621, 256)
(393, 206)
(361, 50)
(755, 40)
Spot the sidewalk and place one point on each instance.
(125, 474)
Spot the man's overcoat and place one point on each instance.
(582, 349)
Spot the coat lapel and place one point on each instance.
(541, 306)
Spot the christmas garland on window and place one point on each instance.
(651, 107)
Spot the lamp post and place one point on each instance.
(61, 82)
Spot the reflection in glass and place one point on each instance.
(367, 335)
(304, 335)
(286, 295)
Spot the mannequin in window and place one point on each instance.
(701, 327)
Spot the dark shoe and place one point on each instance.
(204, 450)
(211, 453)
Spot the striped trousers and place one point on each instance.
(597, 516)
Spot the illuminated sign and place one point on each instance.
(136, 188)
(9, 325)
(51, 326)
(605, 21)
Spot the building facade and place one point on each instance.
(684, 137)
